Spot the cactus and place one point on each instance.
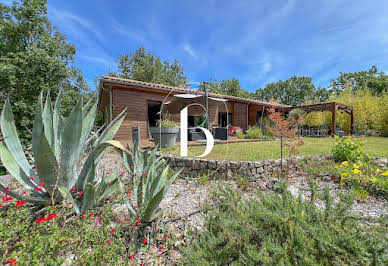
(150, 176)
(58, 146)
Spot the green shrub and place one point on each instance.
(347, 149)
(278, 229)
(63, 238)
(59, 147)
(166, 123)
(254, 133)
(296, 113)
(240, 134)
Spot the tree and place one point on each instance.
(376, 81)
(225, 87)
(294, 91)
(287, 131)
(143, 66)
(34, 57)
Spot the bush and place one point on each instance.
(347, 149)
(365, 176)
(254, 133)
(166, 123)
(60, 239)
(278, 229)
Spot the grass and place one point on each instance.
(261, 150)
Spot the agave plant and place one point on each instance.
(150, 175)
(58, 145)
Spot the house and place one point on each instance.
(143, 101)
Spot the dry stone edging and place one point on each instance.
(229, 169)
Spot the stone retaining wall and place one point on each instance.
(228, 169)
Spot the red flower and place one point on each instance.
(1, 205)
(138, 220)
(110, 198)
(110, 183)
(70, 203)
(109, 241)
(134, 175)
(137, 207)
(31, 178)
(154, 226)
(41, 184)
(6, 190)
(131, 257)
(91, 214)
(82, 216)
(168, 235)
(11, 261)
(38, 189)
(112, 230)
(80, 193)
(134, 226)
(127, 219)
(161, 248)
(20, 202)
(128, 191)
(145, 240)
(49, 217)
(41, 219)
(6, 199)
(25, 192)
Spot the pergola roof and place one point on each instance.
(321, 107)
(330, 107)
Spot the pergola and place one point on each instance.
(330, 107)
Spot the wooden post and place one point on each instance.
(351, 122)
(333, 119)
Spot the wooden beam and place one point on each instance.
(351, 122)
(333, 119)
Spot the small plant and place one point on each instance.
(348, 149)
(278, 229)
(58, 146)
(151, 178)
(203, 179)
(252, 133)
(166, 123)
(243, 182)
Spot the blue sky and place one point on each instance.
(255, 41)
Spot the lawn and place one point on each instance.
(261, 150)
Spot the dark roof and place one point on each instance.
(130, 82)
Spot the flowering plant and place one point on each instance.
(364, 175)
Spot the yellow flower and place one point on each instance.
(355, 166)
(345, 163)
(373, 179)
(344, 174)
(385, 173)
(355, 171)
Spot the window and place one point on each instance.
(224, 119)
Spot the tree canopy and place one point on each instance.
(375, 81)
(34, 57)
(294, 91)
(145, 66)
(225, 87)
